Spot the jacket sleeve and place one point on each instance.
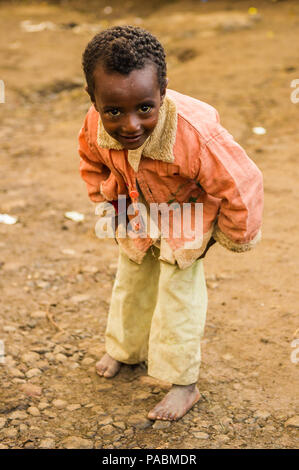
(227, 173)
(92, 170)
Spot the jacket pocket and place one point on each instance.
(167, 169)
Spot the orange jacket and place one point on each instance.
(189, 157)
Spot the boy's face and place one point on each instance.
(128, 104)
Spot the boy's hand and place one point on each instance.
(210, 243)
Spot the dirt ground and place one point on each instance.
(56, 276)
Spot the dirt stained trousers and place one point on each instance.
(157, 315)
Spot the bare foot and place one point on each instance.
(176, 403)
(107, 366)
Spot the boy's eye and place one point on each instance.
(113, 112)
(145, 108)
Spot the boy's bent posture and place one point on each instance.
(155, 147)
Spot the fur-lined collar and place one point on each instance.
(158, 146)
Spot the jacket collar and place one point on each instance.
(158, 146)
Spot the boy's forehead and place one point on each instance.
(139, 84)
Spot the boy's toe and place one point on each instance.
(163, 415)
(100, 369)
(108, 373)
(154, 414)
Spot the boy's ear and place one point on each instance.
(163, 93)
(93, 102)
(87, 91)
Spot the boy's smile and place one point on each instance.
(128, 104)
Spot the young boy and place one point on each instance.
(155, 146)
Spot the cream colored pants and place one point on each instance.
(157, 315)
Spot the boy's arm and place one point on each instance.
(227, 173)
(92, 170)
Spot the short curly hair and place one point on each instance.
(123, 49)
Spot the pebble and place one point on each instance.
(140, 396)
(139, 422)
(43, 405)
(237, 386)
(226, 420)
(14, 349)
(90, 269)
(14, 422)
(201, 423)
(31, 390)
(9, 329)
(73, 407)
(74, 442)
(200, 435)
(18, 415)
(212, 284)
(96, 351)
(2, 422)
(58, 349)
(293, 422)
(43, 284)
(9, 361)
(216, 410)
(261, 414)
(76, 357)
(2, 446)
(70, 347)
(104, 387)
(50, 356)
(86, 381)
(14, 372)
(160, 424)
(30, 357)
(254, 374)
(34, 430)
(49, 413)
(33, 411)
(29, 445)
(80, 298)
(34, 380)
(269, 428)
(222, 438)
(122, 410)
(10, 432)
(33, 373)
(105, 421)
(60, 357)
(23, 427)
(47, 444)
(217, 427)
(120, 425)
(240, 418)
(60, 404)
(18, 381)
(87, 361)
(38, 314)
(74, 365)
(107, 430)
(99, 410)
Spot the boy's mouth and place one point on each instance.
(130, 139)
(131, 142)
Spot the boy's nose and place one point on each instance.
(131, 125)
